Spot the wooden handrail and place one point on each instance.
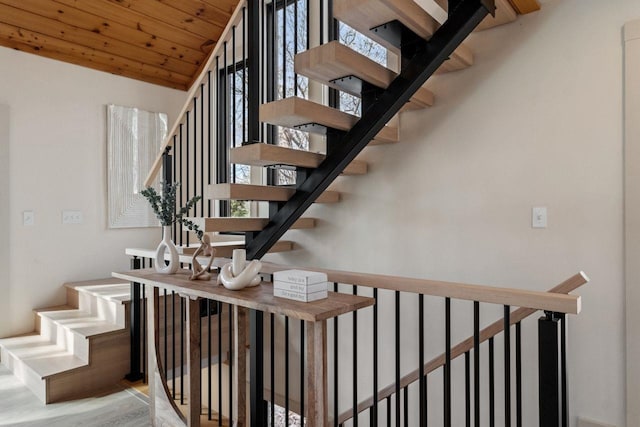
(234, 20)
(558, 302)
(458, 350)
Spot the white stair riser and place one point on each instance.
(25, 374)
(108, 310)
(72, 342)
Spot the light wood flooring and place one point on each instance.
(122, 407)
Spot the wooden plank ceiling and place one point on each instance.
(165, 42)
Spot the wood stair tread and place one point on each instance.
(363, 15)
(262, 193)
(225, 249)
(243, 224)
(294, 112)
(80, 322)
(42, 356)
(505, 14)
(274, 155)
(110, 289)
(334, 60)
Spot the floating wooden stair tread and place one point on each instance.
(43, 357)
(244, 224)
(332, 61)
(262, 193)
(364, 15)
(296, 112)
(274, 155)
(79, 322)
(225, 249)
(504, 14)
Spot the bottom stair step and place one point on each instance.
(39, 354)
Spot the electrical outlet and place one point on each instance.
(28, 218)
(539, 217)
(72, 217)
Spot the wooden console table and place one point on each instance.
(253, 303)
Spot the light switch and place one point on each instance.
(28, 218)
(539, 217)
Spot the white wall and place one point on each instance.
(4, 208)
(537, 121)
(58, 161)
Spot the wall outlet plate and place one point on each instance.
(539, 217)
(72, 217)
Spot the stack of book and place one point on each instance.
(299, 285)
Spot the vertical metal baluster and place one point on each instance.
(234, 100)
(181, 350)
(302, 374)
(388, 411)
(355, 361)
(335, 364)
(195, 155)
(209, 157)
(405, 402)
(209, 390)
(308, 30)
(244, 77)
(286, 370)
(166, 347)
(563, 369)
(321, 22)
(284, 50)
(220, 363)
(201, 150)
(374, 413)
(422, 401)
(144, 333)
(492, 407)
(180, 189)
(173, 342)
(476, 363)
(186, 189)
(273, 367)
(295, 44)
(447, 364)
(397, 346)
(518, 377)
(231, 359)
(175, 179)
(507, 366)
(467, 388)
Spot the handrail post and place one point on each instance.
(135, 373)
(548, 370)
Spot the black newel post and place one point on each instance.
(135, 372)
(549, 370)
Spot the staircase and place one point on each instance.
(423, 47)
(78, 348)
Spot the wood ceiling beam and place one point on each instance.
(88, 39)
(68, 12)
(40, 44)
(169, 16)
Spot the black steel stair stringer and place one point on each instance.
(428, 58)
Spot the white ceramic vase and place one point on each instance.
(174, 258)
